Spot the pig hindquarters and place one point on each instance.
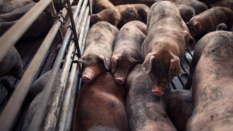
(11, 64)
(212, 84)
(101, 106)
(164, 45)
(127, 49)
(99, 45)
(179, 106)
(119, 15)
(207, 21)
(145, 112)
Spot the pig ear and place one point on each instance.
(197, 25)
(174, 68)
(94, 18)
(114, 63)
(147, 64)
(105, 61)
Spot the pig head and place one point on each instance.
(121, 65)
(93, 65)
(158, 62)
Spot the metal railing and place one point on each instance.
(15, 102)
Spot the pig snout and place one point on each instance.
(88, 75)
(120, 76)
(158, 91)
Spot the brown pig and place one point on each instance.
(164, 45)
(212, 84)
(11, 5)
(127, 49)
(224, 3)
(98, 52)
(208, 20)
(101, 106)
(119, 15)
(99, 5)
(179, 106)
(186, 12)
(11, 64)
(145, 112)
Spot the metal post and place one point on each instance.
(73, 27)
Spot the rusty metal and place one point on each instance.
(36, 121)
(73, 27)
(17, 30)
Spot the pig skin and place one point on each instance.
(101, 106)
(212, 84)
(208, 20)
(11, 64)
(223, 3)
(127, 49)
(145, 112)
(164, 45)
(98, 52)
(12, 5)
(179, 106)
(119, 15)
(99, 5)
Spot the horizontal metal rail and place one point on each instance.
(14, 104)
(34, 126)
(17, 30)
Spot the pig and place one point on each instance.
(145, 111)
(179, 107)
(212, 84)
(186, 12)
(98, 52)
(208, 20)
(9, 6)
(119, 15)
(35, 94)
(11, 64)
(99, 5)
(127, 49)
(40, 27)
(209, 2)
(223, 3)
(164, 45)
(101, 106)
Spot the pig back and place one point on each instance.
(100, 38)
(101, 105)
(145, 111)
(212, 85)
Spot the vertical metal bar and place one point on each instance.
(36, 121)
(73, 27)
(54, 13)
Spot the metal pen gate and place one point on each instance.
(80, 27)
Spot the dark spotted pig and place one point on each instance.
(119, 15)
(212, 84)
(179, 106)
(98, 52)
(207, 21)
(164, 45)
(127, 49)
(145, 112)
(11, 64)
(101, 106)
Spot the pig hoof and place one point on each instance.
(86, 79)
(120, 80)
(157, 92)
